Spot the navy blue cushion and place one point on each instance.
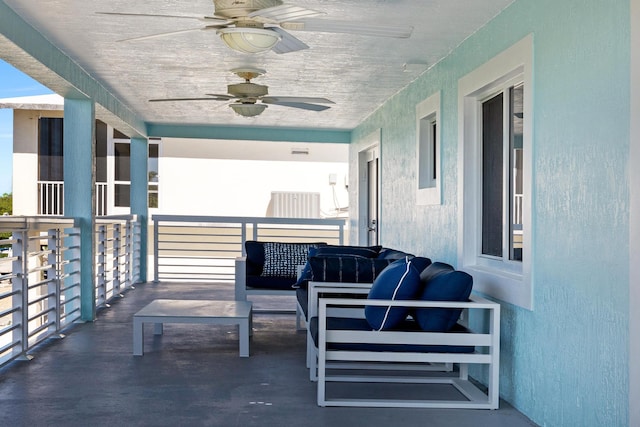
(435, 269)
(265, 282)
(334, 250)
(362, 325)
(364, 251)
(399, 281)
(255, 257)
(388, 253)
(444, 286)
(420, 263)
(351, 269)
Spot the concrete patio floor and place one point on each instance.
(191, 376)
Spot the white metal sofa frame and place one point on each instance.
(331, 289)
(487, 353)
(241, 290)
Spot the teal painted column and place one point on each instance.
(79, 184)
(139, 196)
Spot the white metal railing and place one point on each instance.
(117, 256)
(39, 282)
(101, 198)
(203, 248)
(40, 275)
(51, 198)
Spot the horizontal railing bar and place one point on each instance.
(9, 311)
(9, 346)
(41, 298)
(40, 328)
(9, 294)
(40, 283)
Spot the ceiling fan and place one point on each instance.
(253, 26)
(251, 99)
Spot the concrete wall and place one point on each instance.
(565, 363)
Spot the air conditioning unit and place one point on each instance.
(284, 204)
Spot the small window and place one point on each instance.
(428, 151)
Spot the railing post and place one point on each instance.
(72, 273)
(101, 264)
(53, 276)
(20, 281)
(137, 251)
(128, 253)
(156, 226)
(117, 242)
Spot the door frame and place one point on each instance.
(371, 149)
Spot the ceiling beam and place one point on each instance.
(248, 133)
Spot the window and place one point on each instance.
(122, 185)
(153, 175)
(495, 142)
(502, 157)
(50, 166)
(428, 151)
(50, 149)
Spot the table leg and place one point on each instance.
(138, 337)
(243, 335)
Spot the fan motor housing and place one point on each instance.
(241, 8)
(247, 90)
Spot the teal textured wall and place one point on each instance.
(566, 362)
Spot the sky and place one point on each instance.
(13, 83)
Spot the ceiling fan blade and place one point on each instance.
(288, 43)
(284, 12)
(169, 33)
(211, 98)
(304, 99)
(347, 27)
(220, 96)
(301, 105)
(215, 20)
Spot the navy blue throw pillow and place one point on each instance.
(399, 281)
(445, 286)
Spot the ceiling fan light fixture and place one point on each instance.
(248, 110)
(249, 40)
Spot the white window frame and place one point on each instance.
(150, 141)
(428, 113)
(509, 281)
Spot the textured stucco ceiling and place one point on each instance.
(358, 73)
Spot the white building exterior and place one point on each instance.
(227, 178)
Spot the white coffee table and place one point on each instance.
(162, 311)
